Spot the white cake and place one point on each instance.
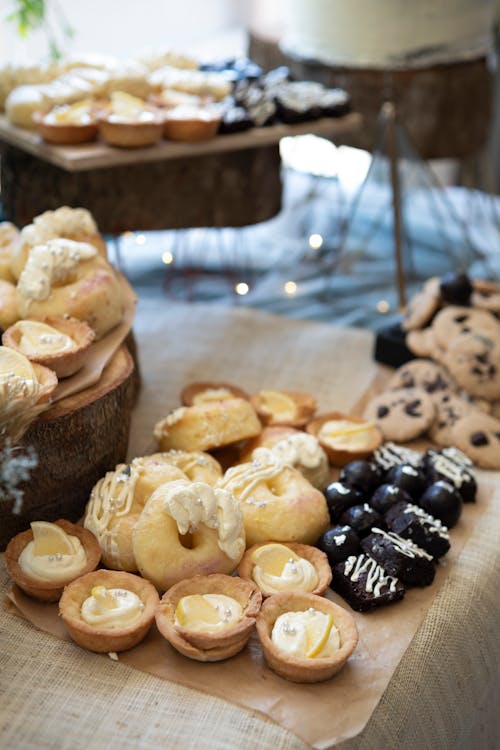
(392, 34)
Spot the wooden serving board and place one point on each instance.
(77, 441)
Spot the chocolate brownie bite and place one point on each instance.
(412, 522)
(456, 288)
(388, 495)
(364, 584)
(340, 496)
(361, 518)
(339, 543)
(409, 478)
(363, 475)
(390, 455)
(443, 501)
(452, 466)
(400, 557)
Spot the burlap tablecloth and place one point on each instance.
(443, 695)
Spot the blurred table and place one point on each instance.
(231, 180)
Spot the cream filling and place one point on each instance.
(196, 504)
(112, 608)
(38, 339)
(306, 635)
(278, 404)
(207, 613)
(71, 114)
(53, 568)
(296, 575)
(15, 368)
(59, 223)
(303, 452)
(343, 433)
(54, 262)
(212, 394)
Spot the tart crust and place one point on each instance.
(104, 640)
(190, 391)
(292, 667)
(315, 556)
(179, 127)
(209, 646)
(47, 379)
(130, 134)
(305, 406)
(342, 456)
(64, 133)
(45, 591)
(65, 363)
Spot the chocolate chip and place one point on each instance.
(411, 408)
(482, 358)
(382, 411)
(461, 318)
(408, 380)
(479, 439)
(465, 329)
(492, 371)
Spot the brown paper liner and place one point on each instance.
(322, 714)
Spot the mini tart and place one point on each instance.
(315, 556)
(65, 133)
(186, 123)
(342, 455)
(131, 134)
(209, 646)
(47, 379)
(302, 669)
(103, 640)
(64, 363)
(49, 592)
(210, 391)
(288, 408)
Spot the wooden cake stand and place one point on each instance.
(77, 441)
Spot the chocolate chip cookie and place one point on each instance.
(474, 361)
(453, 321)
(422, 305)
(449, 409)
(478, 436)
(402, 414)
(422, 373)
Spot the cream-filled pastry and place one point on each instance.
(79, 113)
(200, 392)
(39, 339)
(68, 123)
(48, 556)
(303, 452)
(126, 108)
(293, 408)
(345, 438)
(276, 567)
(188, 528)
(305, 638)
(129, 122)
(108, 610)
(209, 617)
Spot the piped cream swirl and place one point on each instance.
(53, 568)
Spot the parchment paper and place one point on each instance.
(321, 714)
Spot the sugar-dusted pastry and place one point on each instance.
(61, 344)
(209, 617)
(73, 223)
(186, 529)
(345, 438)
(44, 559)
(277, 502)
(108, 610)
(64, 277)
(208, 425)
(277, 567)
(9, 238)
(199, 392)
(8, 304)
(190, 123)
(304, 637)
(118, 499)
(129, 122)
(292, 408)
(68, 123)
(296, 448)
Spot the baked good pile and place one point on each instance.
(137, 102)
(237, 525)
(451, 392)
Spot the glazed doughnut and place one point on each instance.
(277, 502)
(296, 448)
(72, 223)
(208, 425)
(187, 529)
(8, 304)
(117, 501)
(9, 239)
(67, 277)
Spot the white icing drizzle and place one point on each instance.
(303, 452)
(195, 504)
(434, 524)
(449, 466)
(389, 455)
(376, 577)
(405, 546)
(112, 498)
(55, 261)
(243, 479)
(456, 455)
